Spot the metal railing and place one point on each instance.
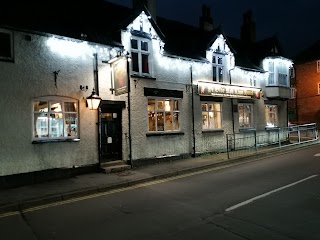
(250, 142)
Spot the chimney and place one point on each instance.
(206, 21)
(248, 28)
(151, 5)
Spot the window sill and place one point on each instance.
(142, 77)
(272, 128)
(163, 133)
(247, 130)
(55, 140)
(212, 130)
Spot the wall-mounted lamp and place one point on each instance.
(93, 101)
(83, 88)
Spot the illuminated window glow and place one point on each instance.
(211, 116)
(245, 115)
(271, 115)
(163, 115)
(55, 118)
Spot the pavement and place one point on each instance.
(52, 192)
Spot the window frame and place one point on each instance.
(140, 52)
(318, 66)
(163, 111)
(251, 126)
(267, 109)
(11, 36)
(216, 77)
(64, 137)
(208, 111)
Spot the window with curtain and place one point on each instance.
(140, 56)
(271, 115)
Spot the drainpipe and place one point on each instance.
(129, 112)
(192, 107)
(232, 113)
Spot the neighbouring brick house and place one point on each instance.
(305, 107)
(169, 90)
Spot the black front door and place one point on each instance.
(111, 135)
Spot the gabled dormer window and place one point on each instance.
(140, 54)
(218, 67)
(6, 45)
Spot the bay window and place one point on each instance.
(245, 115)
(211, 116)
(55, 118)
(163, 115)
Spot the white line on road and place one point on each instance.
(267, 193)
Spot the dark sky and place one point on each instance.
(295, 22)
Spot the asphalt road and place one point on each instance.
(275, 198)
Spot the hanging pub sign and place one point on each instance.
(219, 90)
(120, 76)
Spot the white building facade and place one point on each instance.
(155, 105)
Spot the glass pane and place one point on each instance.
(214, 59)
(217, 107)
(56, 125)
(220, 69)
(204, 107)
(214, 69)
(145, 63)
(167, 105)
(151, 121)
(151, 104)
(135, 62)
(168, 121)
(175, 105)
(175, 121)
(219, 60)
(71, 126)
(205, 123)
(211, 120)
(40, 106)
(40, 125)
(160, 121)
(70, 107)
(55, 107)
(5, 45)
(144, 46)
(160, 105)
(134, 43)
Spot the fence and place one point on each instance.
(249, 142)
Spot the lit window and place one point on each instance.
(140, 54)
(55, 118)
(318, 66)
(245, 115)
(271, 115)
(211, 116)
(318, 88)
(163, 115)
(6, 45)
(218, 68)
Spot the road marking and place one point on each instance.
(140, 185)
(268, 193)
(317, 155)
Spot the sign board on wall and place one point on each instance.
(229, 91)
(120, 76)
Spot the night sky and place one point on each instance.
(295, 22)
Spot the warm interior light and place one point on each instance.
(93, 100)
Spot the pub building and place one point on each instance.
(135, 88)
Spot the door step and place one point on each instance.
(114, 166)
